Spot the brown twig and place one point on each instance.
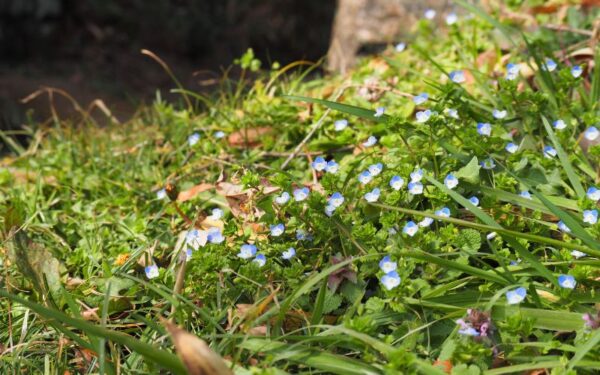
(568, 29)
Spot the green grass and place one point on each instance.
(81, 218)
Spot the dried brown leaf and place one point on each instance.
(192, 192)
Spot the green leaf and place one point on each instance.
(468, 240)
(585, 348)
(332, 301)
(345, 108)
(469, 172)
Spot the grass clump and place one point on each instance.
(435, 211)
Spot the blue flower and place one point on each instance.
(193, 139)
(567, 281)
(590, 216)
(336, 200)
(516, 296)
(216, 214)
(397, 182)
(443, 212)
(340, 125)
(474, 201)
(332, 167)
(371, 141)
(301, 194)
(329, 210)
(188, 255)
(283, 198)
(549, 152)
(578, 254)
(427, 221)
(488, 164)
(417, 175)
(421, 98)
(466, 329)
(450, 181)
(379, 111)
(593, 193)
(591, 133)
(430, 14)
(219, 134)
(195, 238)
(365, 177)
(319, 164)
(563, 227)
(161, 194)
(151, 271)
(400, 47)
(301, 235)
(525, 194)
(423, 116)
(215, 236)
(484, 129)
(511, 148)
(451, 19)
(457, 76)
(390, 280)
(373, 195)
(559, 124)
(576, 71)
(387, 265)
(289, 253)
(451, 112)
(277, 229)
(499, 114)
(410, 228)
(375, 169)
(415, 188)
(247, 251)
(549, 65)
(260, 260)
(512, 71)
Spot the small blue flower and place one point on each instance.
(491, 235)
(466, 329)
(417, 175)
(373, 195)
(151, 271)
(549, 65)
(336, 200)
(430, 14)
(451, 112)
(283, 198)
(371, 141)
(289, 253)
(525, 194)
(379, 111)
(499, 114)
(375, 169)
(301, 235)
(423, 116)
(567, 281)
(340, 125)
(450, 181)
(196, 239)
(365, 177)
(563, 227)
(549, 152)
(593, 193)
(215, 236)
(451, 19)
(193, 139)
(161, 194)
(219, 134)
(578, 254)
(443, 212)
(590, 216)
(216, 214)
(332, 167)
(277, 229)
(559, 124)
(390, 280)
(421, 98)
(474, 201)
(512, 71)
(457, 76)
(410, 228)
(484, 129)
(387, 265)
(415, 188)
(188, 255)
(397, 182)
(247, 251)
(591, 133)
(301, 194)
(400, 47)
(516, 296)
(576, 71)
(319, 164)
(260, 260)
(488, 164)
(511, 148)
(427, 221)
(329, 210)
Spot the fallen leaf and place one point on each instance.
(248, 137)
(192, 192)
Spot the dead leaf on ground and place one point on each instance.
(192, 192)
(248, 137)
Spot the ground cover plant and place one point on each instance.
(434, 211)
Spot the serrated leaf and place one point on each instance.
(469, 240)
(332, 302)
